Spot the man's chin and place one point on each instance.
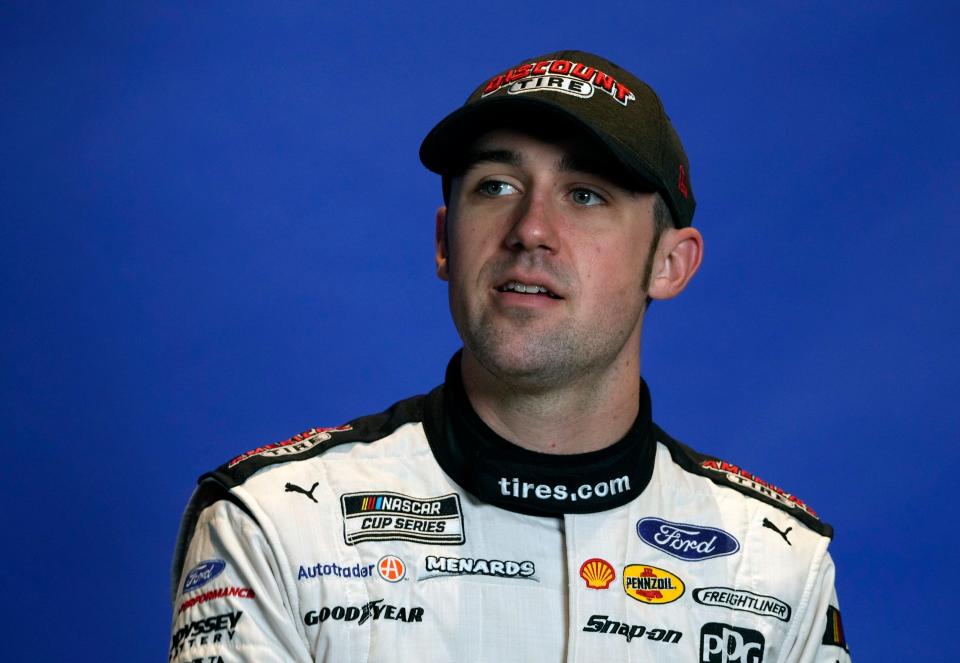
(522, 364)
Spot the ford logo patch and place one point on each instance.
(203, 573)
(692, 543)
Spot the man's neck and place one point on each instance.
(581, 416)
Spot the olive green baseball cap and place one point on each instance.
(611, 105)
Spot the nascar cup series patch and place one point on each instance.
(383, 516)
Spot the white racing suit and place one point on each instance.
(420, 535)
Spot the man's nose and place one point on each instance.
(535, 225)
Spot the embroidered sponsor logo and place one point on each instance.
(740, 599)
(383, 516)
(743, 478)
(211, 630)
(782, 532)
(203, 573)
(597, 573)
(219, 593)
(564, 84)
(722, 643)
(391, 568)
(682, 183)
(602, 624)
(321, 569)
(297, 444)
(833, 633)
(692, 543)
(294, 488)
(435, 567)
(560, 76)
(561, 493)
(372, 610)
(650, 584)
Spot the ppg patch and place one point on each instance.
(382, 516)
(722, 643)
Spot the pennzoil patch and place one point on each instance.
(385, 516)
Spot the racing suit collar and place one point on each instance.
(499, 472)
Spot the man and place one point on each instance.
(528, 509)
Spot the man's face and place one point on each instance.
(545, 260)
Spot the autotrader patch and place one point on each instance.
(391, 568)
(384, 516)
(321, 569)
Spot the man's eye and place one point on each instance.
(586, 197)
(495, 188)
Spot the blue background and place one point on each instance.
(216, 233)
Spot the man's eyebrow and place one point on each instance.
(588, 164)
(494, 155)
(578, 163)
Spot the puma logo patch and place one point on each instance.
(783, 533)
(294, 488)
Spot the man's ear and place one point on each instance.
(677, 260)
(441, 244)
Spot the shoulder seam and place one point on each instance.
(731, 476)
(317, 441)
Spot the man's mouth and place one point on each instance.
(527, 289)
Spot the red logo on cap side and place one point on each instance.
(682, 183)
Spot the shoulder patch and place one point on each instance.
(316, 441)
(833, 633)
(294, 446)
(733, 476)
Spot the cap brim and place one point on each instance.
(444, 147)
